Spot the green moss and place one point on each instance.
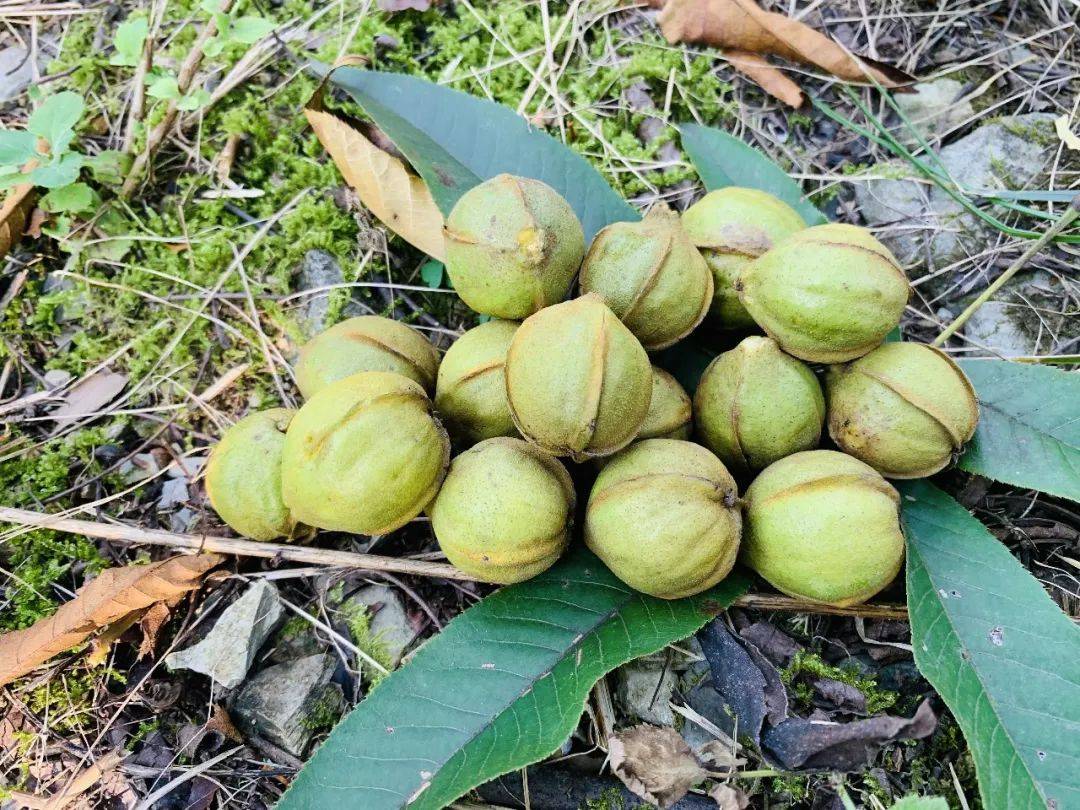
(324, 712)
(808, 665)
(795, 786)
(68, 700)
(930, 774)
(610, 799)
(358, 620)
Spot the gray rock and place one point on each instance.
(1029, 315)
(388, 624)
(643, 690)
(706, 701)
(923, 225)
(173, 492)
(933, 109)
(319, 270)
(17, 70)
(226, 653)
(287, 703)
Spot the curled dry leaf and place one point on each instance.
(14, 216)
(383, 181)
(729, 798)
(654, 763)
(114, 595)
(748, 33)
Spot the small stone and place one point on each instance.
(226, 653)
(1025, 317)
(318, 271)
(56, 378)
(287, 703)
(173, 492)
(17, 69)
(933, 109)
(644, 690)
(389, 625)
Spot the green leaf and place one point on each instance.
(194, 100)
(251, 29)
(17, 147)
(55, 120)
(59, 172)
(164, 87)
(129, 41)
(1028, 433)
(69, 199)
(998, 650)
(432, 273)
(723, 160)
(214, 46)
(503, 685)
(455, 141)
(109, 166)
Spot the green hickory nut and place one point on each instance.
(827, 294)
(243, 476)
(504, 511)
(731, 227)
(364, 455)
(755, 404)
(470, 394)
(823, 526)
(366, 343)
(651, 276)
(577, 381)
(513, 245)
(669, 415)
(663, 515)
(905, 409)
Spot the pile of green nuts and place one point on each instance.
(554, 396)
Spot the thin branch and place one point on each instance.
(184, 81)
(368, 562)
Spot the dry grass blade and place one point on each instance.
(14, 214)
(743, 26)
(115, 594)
(384, 183)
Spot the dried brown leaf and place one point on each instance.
(151, 623)
(743, 26)
(654, 763)
(88, 396)
(113, 595)
(767, 76)
(14, 216)
(729, 798)
(384, 183)
(82, 782)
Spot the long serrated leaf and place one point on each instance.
(723, 160)
(998, 650)
(503, 685)
(455, 140)
(1029, 428)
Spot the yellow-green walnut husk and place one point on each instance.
(827, 294)
(470, 394)
(755, 404)
(578, 382)
(364, 455)
(905, 409)
(504, 511)
(823, 526)
(669, 415)
(513, 245)
(663, 515)
(365, 343)
(243, 476)
(731, 227)
(651, 276)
